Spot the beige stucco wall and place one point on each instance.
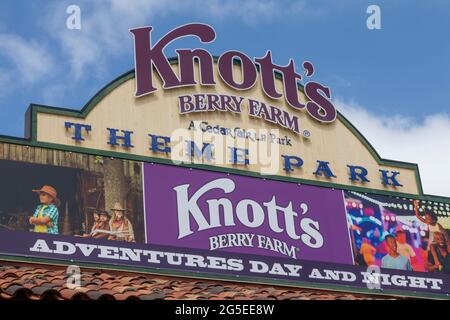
(158, 113)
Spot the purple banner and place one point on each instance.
(73, 250)
(212, 211)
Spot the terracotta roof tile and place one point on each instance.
(49, 282)
(105, 276)
(81, 290)
(8, 274)
(67, 293)
(14, 288)
(126, 296)
(152, 296)
(50, 294)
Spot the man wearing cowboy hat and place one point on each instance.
(100, 228)
(45, 217)
(102, 224)
(121, 228)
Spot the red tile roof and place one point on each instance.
(49, 282)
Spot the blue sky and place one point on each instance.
(392, 83)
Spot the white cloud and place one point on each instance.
(341, 82)
(104, 31)
(396, 137)
(29, 61)
(105, 24)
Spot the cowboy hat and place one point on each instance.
(51, 192)
(104, 212)
(118, 207)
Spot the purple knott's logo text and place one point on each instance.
(213, 211)
(149, 58)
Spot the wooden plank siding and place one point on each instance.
(67, 159)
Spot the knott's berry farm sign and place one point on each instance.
(230, 97)
(227, 167)
(319, 106)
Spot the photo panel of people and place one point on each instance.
(57, 192)
(399, 233)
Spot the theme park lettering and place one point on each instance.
(119, 138)
(149, 58)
